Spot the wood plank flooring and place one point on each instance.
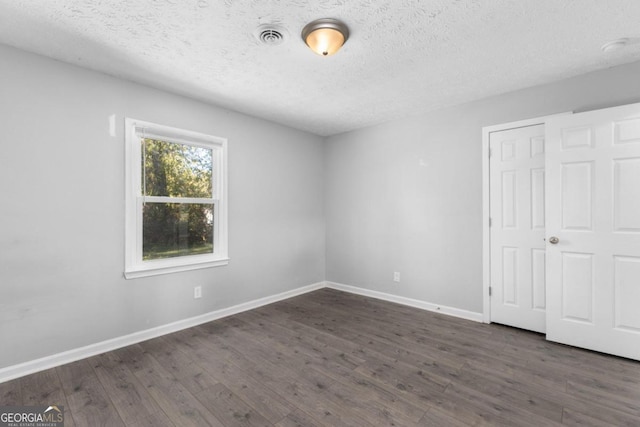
(330, 358)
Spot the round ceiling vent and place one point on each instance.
(271, 35)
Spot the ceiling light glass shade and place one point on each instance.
(325, 36)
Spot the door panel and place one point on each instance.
(538, 263)
(627, 131)
(508, 190)
(626, 193)
(577, 287)
(537, 198)
(517, 205)
(593, 207)
(510, 276)
(574, 138)
(577, 195)
(627, 291)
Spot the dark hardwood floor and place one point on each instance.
(329, 358)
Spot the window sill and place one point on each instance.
(155, 270)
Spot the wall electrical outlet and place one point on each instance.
(396, 277)
(197, 292)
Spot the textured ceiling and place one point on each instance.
(403, 56)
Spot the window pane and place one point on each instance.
(176, 229)
(176, 170)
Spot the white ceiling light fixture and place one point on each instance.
(325, 36)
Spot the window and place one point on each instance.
(176, 210)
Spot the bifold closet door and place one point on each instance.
(593, 230)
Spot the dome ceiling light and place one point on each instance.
(325, 36)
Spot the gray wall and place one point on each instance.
(404, 196)
(407, 195)
(62, 210)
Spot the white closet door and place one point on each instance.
(517, 214)
(593, 209)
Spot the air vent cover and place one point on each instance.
(271, 35)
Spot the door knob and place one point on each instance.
(553, 240)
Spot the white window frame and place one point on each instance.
(135, 266)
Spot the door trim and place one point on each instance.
(486, 234)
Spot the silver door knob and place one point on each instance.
(553, 240)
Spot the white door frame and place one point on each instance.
(486, 205)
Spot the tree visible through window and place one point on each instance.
(176, 210)
(176, 171)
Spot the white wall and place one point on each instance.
(62, 209)
(407, 195)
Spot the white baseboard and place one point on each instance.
(37, 365)
(451, 311)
